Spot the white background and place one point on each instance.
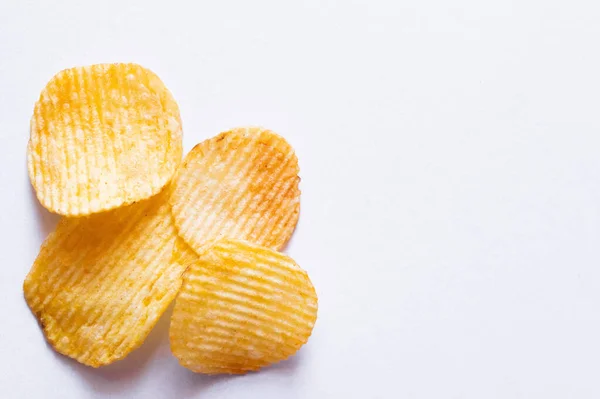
(449, 155)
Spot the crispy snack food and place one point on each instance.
(241, 307)
(183, 254)
(241, 184)
(100, 283)
(102, 136)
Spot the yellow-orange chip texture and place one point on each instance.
(100, 282)
(183, 254)
(241, 307)
(241, 184)
(102, 136)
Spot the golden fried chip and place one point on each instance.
(241, 184)
(183, 254)
(241, 307)
(100, 283)
(102, 136)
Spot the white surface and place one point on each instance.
(450, 175)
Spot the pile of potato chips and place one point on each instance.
(141, 228)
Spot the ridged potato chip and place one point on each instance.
(102, 136)
(241, 307)
(100, 283)
(241, 184)
(183, 254)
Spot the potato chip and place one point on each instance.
(102, 136)
(183, 254)
(241, 307)
(241, 184)
(100, 283)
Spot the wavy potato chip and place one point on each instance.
(100, 283)
(102, 136)
(241, 307)
(183, 254)
(241, 184)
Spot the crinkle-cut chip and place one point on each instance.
(100, 283)
(241, 184)
(183, 254)
(241, 307)
(102, 136)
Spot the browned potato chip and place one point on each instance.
(102, 136)
(241, 184)
(241, 307)
(100, 283)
